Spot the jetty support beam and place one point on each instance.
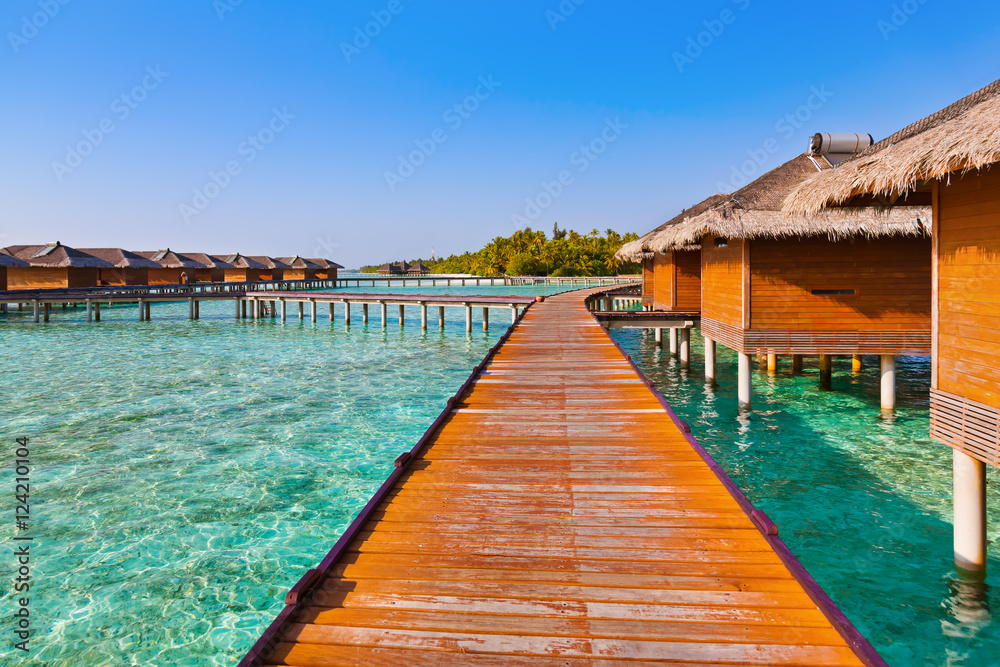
(970, 513)
(710, 360)
(745, 382)
(888, 382)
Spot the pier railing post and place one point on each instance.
(970, 513)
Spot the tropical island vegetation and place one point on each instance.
(531, 253)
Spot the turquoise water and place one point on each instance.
(187, 473)
(864, 501)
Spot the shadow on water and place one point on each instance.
(862, 498)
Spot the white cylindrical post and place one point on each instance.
(312, 311)
(402, 314)
(486, 319)
(423, 316)
(970, 513)
(347, 313)
(888, 382)
(142, 310)
(685, 347)
(237, 302)
(284, 309)
(709, 360)
(745, 382)
(468, 318)
(190, 309)
(274, 311)
(385, 314)
(658, 336)
(513, 314)
(90, 308)
(302, 311)
(673, 341)
(441, 317)
(243, 308)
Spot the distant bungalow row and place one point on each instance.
(403, 269)
(54, 266)
(856, 248)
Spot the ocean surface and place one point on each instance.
(185, 474)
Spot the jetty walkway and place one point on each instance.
(558, 513)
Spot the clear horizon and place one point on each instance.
(369, 133)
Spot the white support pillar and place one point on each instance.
(385, 314)
(347, 313)
(364, 313)
(486, 319)
(658, 336)
(685, 347)
(888, 382)
(440, 317)
(142, 310)
(312, 311)
(745, 382)
(423, 316)
(302, 311)
(673, 341)
(513, 314)
(284, 309)
(710, 360)
(970, 513)
(237, 302)
(402, 314)
(90, 308)
(190, 309)
(468, 318)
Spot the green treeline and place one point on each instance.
(531, 253)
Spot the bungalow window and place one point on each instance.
(833, 292)
(721, 242)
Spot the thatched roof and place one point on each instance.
(638, 250)
(755, 211)
(121, 258)
(210, 261)
(299, 263)
(419, 267)
(6, 259)
(240, 262)
(324, 263)
(269, 262)
(56, 255)
(963, 136)
(168, 259)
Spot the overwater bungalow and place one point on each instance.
(127, 268)
(394, 269)
(215, 267)
(840, 283)
(53, 266)
(418, 269)
(300, 268)
(671, 278)
(174, 268)
(6, 261)
(244, 269)
(274, 269)
(328, 268)
(955, 156)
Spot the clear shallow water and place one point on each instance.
(863, 501)
(187, 473)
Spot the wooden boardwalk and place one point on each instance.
(558, 514)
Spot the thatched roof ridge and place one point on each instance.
(638, 250)
(57, 255)
(121, 258)
(299, 263)
(168, 259)
(269, 262)
(7, 259)
(963, 136)
(324, 263)
(756, 211)
(419, 267)
(242, 262)
(210, 261)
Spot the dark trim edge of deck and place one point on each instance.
(272, 636)
(858, 643)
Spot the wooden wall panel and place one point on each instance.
(891, 278)
(164, 276)
(648, 281)
(663, 288)
(35, 277)
(3, 277)
(687, 278)
(968, 237)
(722, 281)
(126, 276)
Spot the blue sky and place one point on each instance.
(281, 128)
